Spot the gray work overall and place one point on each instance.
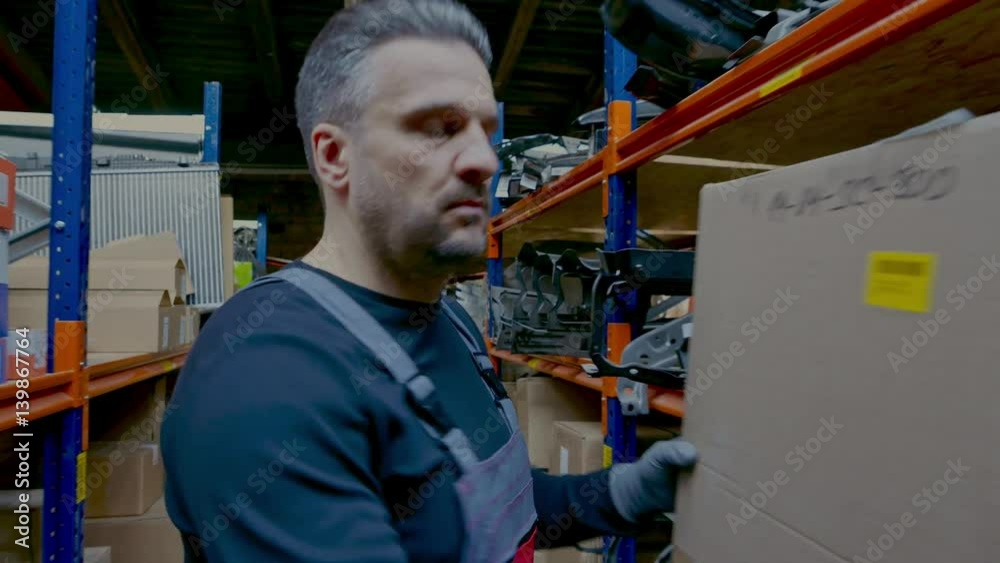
(496, 492)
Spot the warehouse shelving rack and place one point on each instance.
(861, 71)
(59, 400)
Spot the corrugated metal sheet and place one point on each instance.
(126, 203)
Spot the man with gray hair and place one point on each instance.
(342, 409)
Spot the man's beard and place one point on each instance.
(419, 246)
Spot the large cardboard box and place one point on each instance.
(27, 308)
(543, 400)
(150, 538)
(178, 324)
(118, 321)
(109, 274)
(123, 478)
(97, 554)
(226, 227)
(130, 321)
(578, 447)
(843, 393)
(161, 247)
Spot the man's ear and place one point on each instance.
(331, 149)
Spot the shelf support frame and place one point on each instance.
(494, 240)
(620, 208)
(69, 254)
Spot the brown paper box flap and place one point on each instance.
(159, 246)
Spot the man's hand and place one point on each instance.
(646, 486)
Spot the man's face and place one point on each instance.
(422, 156)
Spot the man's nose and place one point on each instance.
(477, 162)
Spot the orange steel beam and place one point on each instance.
(829, 28)
(109, 368)
(551, 366)
(665, 401)
(845, 33)
(41, 406)
(47, 394)
(584, 176)
(118, 379)
(919, 15)
(70, 354)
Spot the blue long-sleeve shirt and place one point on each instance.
(286, 443)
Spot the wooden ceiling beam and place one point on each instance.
(10, 99)
(520, 110)
(556, 68)
(537, 98)
(515, 42)
(118, 17)
(261, 20)
(28, 78)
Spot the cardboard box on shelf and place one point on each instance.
(194, 324)
(158, 248)
(578, 448)
(178, 324)
(96, 358)
(123, 478)
(97, 554)
(27, 308)
(854, 303)
(131, 321)
(134, 263)
(150, 538)
(226, 227)
(543, 400)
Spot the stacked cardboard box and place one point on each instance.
(137, 290)
(851, 410)
(125, 509)
(561, 423)
(578, 448)
(150, 537)
(97, 554)
(543, 400)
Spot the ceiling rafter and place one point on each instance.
(261, 20)
(515, 42)
(118, 17)
(22, 70)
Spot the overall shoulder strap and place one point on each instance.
(484, 365)
(473, 343)
(398, 363)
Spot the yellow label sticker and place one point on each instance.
(608, 456)
(81, 477)
(781, 81)
(900, 280)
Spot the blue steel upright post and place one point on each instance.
(69, 250)
(212, 108)
(494, 262)
(620, 233)
(262, 241)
